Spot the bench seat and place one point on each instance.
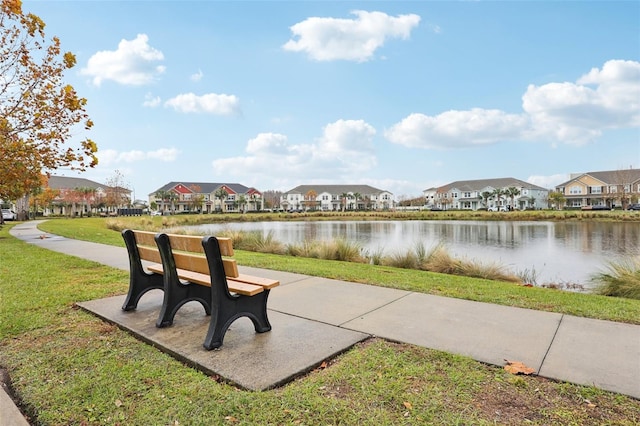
(235, 285)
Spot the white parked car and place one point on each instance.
(497, 209)
(8, 214)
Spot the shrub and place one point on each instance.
(622, 279)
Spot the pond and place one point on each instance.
(557, 252)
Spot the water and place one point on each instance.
(558, 252)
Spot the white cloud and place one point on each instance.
(455, 129)
(110, 157)
(345, 150)
(210, 103)
(328, 39)
(571, 113)
(151, 101)
(197, 76)
(548, 182)
(576, 113)
(164, 154)
(133, 63)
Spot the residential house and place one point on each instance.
(79, 196)
(206, 197)
(613, 188)
(486, 194)
(336, 197)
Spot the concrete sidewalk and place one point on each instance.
(315, 318)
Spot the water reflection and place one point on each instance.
(563, 252)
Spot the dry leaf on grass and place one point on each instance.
(516, 367)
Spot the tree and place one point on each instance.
(38, 111)
(485, 198)
(344, 197)
(512, 192)
(222, 195)
(557, 199)
(357, 196)
(310, 199)
(498, 193)
(162, 196)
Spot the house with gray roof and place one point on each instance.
(79, 196)
(336, 198)
(206, 197)
(493, 194)
(607, 189)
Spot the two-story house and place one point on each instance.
(613, 188)
(206, 197)
(493, 194)
(336, 198)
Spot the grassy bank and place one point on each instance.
(69, 367)
(482, 290)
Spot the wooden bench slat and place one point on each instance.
(145, 238)
(193, 243)
(250, 279)
(149, 253)
(204, 279)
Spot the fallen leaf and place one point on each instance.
(516, 367)
(408, 405)
(118, 403)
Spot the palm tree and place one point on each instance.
(222, 195)
(162, 196)
(357, 196)
(512, 192)
(172, 197)
(498, 193)
(485, 198)
(344, 196)
(242, 200)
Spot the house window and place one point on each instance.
(467, 195)
(595, 189)
(455, 195)
(613, 189)
(575, 190)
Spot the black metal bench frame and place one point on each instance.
(141, 281)
(225, 306)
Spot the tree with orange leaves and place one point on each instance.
(37, 109)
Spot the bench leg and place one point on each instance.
(232, 307)
(139, 283)
(177, 294)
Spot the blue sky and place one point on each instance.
(400, 95)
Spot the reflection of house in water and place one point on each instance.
(622, 239)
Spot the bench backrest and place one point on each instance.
(188, 252)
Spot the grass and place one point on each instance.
(69, 367)
(478, 289)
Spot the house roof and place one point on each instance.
(609, 177)
(63, 182)
(336, 189)
(204, 187)
(479, 184)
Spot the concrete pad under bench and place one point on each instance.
(253, 361)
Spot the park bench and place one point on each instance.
(190, 268)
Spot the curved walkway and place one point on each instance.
(314, 318)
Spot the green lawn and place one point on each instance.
(69, 367)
